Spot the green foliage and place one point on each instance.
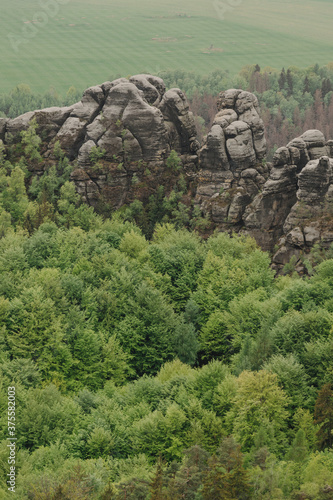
(124, 348)
(95, 154)
(294, 329)
(46, 417)
(13, 198)
(215, 340)
(323, 414)
(226, 477)
(173, 161)
(47, 187)
(259, 401)
(292, 377)
(299, 449)
(31, 142)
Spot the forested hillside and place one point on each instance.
(160, 367)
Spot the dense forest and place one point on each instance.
(155, 363)
(291, 100)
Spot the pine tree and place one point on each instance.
(326, 87)
(323, 414)
(282, 79)
(299, 449)
(189, 478)
(290, 84)
(236, 480)
(214, 481)
(156, 484)
(306, 85)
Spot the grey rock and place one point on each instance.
(106, 86)
(295, 237)
(240, 145)
(265, 216)
(225, 117)
(54, 115)
(17, 125)
(313, 138)
(299, 144)
(329, 147)
(152, 87)
(249, 173)
(315, 143)
(237, 206)
(71, 135)
(245, 101)
(283, 256)
(281, 157)
(90, 104)
(175, 109)
(213, 155)
(84, 152)
(219, 211)
(135, 120)
(314, 179)
(227, 98)
(311, 235)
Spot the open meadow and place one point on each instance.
(59, 43)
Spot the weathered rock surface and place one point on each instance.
(293, 200)
(236, 140)
(132, 121)
(135, 122)
(310, 219)
(230, 160)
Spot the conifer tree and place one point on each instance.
(282, 79)
(306, 85)
(156, 485)
(299, 449)
(214, 481)
(323, 414)
(289, 80)
(236, 479)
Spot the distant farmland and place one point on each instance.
(85, 42)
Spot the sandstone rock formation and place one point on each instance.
(134, 124)
(310, 219)
(231, 168)
(295, 192)
(132, 121)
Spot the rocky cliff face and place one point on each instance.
(286, 204)
(232, 170)
(136, 123)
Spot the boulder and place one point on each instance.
(17, 125)
(315, 143)
(314, 180)
(153, 87)
(240, 145)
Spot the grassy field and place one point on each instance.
(85, 42)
